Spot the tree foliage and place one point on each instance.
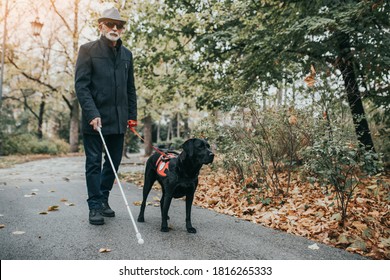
(229, 54)
(245, 44)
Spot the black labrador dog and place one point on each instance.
(178, 177)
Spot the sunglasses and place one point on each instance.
(112, 24)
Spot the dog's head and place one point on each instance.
(198, 150)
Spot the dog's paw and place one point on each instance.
(141, 219)
(164, 229)
(191, 230)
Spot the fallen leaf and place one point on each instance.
(292, 120)
(137, 203)
(212, 201)
(367, 233)
(342, 239)
(359, 225)
(358, 244)
(69, 204)
(312, 70)
(320, 214)
(310, 81)
(2, 226)
(104, 250)
(336, 217)
(374, 214)
(43, 213)
(291, 218)
(18, 232)
(28, 195)
(53, 208)
(314, 247)
(360, 200)
(63, 200)
(385, 242)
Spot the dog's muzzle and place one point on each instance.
(210, 158)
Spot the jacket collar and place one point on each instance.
(109, 43)
(113, 52)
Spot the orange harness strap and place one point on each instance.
(163, 164)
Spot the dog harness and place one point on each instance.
(163, 164)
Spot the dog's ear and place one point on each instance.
(188, 147)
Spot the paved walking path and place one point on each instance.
(28, 189)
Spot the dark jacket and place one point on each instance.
(105, 88)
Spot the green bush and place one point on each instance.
(260, 146)
(131, 142)
(174, 144)
(339, 165)
(24, 144)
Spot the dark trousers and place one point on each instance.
(101, 178)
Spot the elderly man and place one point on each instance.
(104, 83)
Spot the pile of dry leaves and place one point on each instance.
(307, 210)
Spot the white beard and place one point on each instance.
(112, 36)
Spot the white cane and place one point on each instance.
(138, 235)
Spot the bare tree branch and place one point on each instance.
(53, 4)
(30, 77)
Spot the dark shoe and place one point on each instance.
(95, 217)
(107, 211)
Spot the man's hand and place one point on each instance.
(132, 123)
(96, 122)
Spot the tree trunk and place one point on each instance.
(345, 65)
(75, 112)
(279, 96)
(178, 125)
(40, 118)
(73, 104)
(148, 135)
(74, 126)
(159, 132)
(169, 131)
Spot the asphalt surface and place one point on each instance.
(28, 189)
